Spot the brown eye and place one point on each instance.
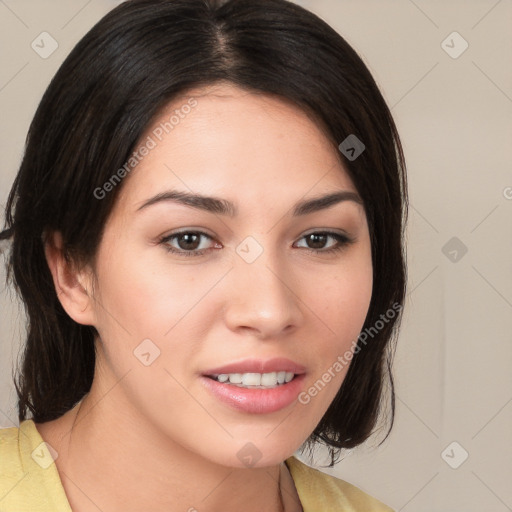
(318, 242)
(187, 243)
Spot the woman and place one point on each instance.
(207, 234)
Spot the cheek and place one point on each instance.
(346, 299)
(143, 296)
(343, 304)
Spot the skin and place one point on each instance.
(174, 444)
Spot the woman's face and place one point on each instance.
(255, 277)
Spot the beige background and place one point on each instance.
(453, 364)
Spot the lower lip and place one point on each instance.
(256, 401)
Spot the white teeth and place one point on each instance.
(235, 378)
(269, 379)
(258, 380)
(251, 379)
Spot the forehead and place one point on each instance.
(237, 143)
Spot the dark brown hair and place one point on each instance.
(131, 64)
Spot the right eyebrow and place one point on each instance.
(207, 203)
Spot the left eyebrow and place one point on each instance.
(320, 203)
(224, 207)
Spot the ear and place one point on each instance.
(73, 286)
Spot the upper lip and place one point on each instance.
(277, 364)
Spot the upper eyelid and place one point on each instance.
(204, 233)
(171, 236)
(329, 232)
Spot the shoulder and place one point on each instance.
(11, 465)
(29, 479)
(319, 491)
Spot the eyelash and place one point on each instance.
(342, 242)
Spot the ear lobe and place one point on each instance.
(71, 285)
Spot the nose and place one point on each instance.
(262, 298)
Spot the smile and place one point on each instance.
(255, 380)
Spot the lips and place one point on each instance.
(278, 364)
(256, 399)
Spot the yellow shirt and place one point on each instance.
(30, 481)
